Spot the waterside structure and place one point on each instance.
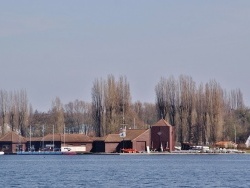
(158, 138)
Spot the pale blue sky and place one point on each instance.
(58, 48)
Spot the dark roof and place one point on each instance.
(162, 122)
(13, 137)
(67, 138)
(131, 134)
(113, 138)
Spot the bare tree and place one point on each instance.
(98, 107)
(124, 100)
(58, 115)
(79, 110)
(235, 99)
(201, 125)
(13, 111)
(41, 123)
(186, 108)
(88, 121)
(77, 117)
(3, 109)
(69, 115)
(149, 114)
(166, 99)
(235, 117)
(162, 105)
(23, 112)
(111, 103)
(215, 110)
(172, 90)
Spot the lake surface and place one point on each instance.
(172, 170)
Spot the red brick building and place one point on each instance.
(11, 142)
(162, 136)
(76, 142)
(135, 139)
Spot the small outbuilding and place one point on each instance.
(12, 142)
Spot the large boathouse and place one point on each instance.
(159, 137)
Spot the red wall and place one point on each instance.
(162, 135)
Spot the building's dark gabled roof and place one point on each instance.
(13, 137)
(131, 134)
(162, 122)
(69, 138)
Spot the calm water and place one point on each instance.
(125, 171)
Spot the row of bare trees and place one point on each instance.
(73, 117)
(199, 113)
(78, 117)
(14, 110)
(16, 114)
(112, 108)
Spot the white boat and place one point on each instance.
(1, 153)
(64, 149)
(248, 142)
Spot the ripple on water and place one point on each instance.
(125, 171)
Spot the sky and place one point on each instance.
(58, 48)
